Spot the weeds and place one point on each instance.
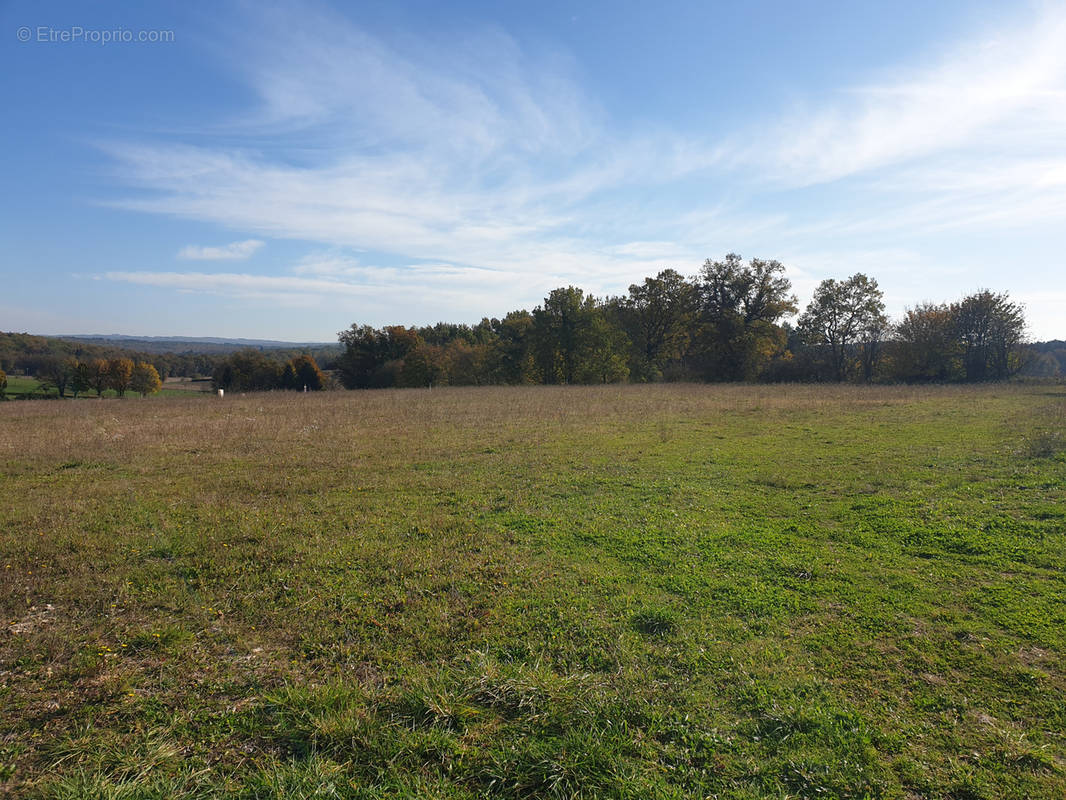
(1044, 444)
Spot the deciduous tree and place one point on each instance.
(99, 375)
(740, 305)
(372, 357)
(56, 372)
(308, 374)
(466, 363)
(119, 374)
(82, 379)
(659, 316)
(145, 379)
(425, 365)
(924, 346)
(573, 341)
(990, 330)
(511, 358)
(842, 315)
(289, 379)
(248, 371)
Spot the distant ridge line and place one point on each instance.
(120, 337)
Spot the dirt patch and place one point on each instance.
(34, 619)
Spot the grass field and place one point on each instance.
(622, 592)
(183, 387)
(21, 386)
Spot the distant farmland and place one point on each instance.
(626, 592)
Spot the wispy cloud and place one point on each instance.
(380, 294)
(1002, 94)
(487, 167)
(474, 151)
(234, 251)
(476, 95)
(242, 284)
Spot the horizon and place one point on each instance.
(177, 337)
(236, 339)
(280, 172)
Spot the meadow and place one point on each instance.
(662, 591)
(25, 387)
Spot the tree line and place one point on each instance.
(1047, 360)
(26, 354)
(727, 323)
(80, 377)
(245, 370)
(254, 371)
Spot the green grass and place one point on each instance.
(627, 592)
(20, 386)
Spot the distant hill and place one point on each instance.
(193, 344)
(24, 353)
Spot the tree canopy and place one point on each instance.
(145, 380)
(727, 323)
(844, 314)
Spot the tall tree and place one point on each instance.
(467, 363)
(658, 315)
(740, 306)
(511, 357)
(82, 379)
(361, 358)
(307, 373)
(289, 379)
(602, 357)
(145, 379)
(99, 375)
(56, 371)
(425, 365)
(573, 341)
(557, 328)
(842, 315)
(924, 346)
(990, 330)
(248, 371)
(119, 374)
(374, 357)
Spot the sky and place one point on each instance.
(284, 170)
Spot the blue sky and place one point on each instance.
(281, 171)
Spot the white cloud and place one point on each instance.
(474, 95)
(471, 152)
(234, 251)
(988, 97)
(329, 263)
(487, 169)
(378, 294)
(239, 284)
